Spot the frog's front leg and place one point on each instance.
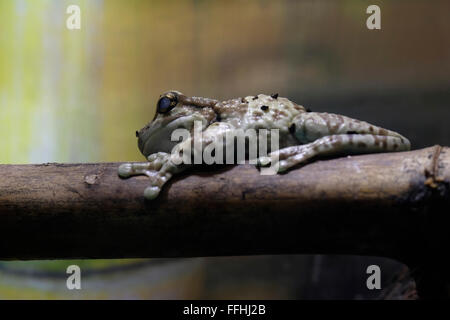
(162, 166)
(329, 134)
(159, 168)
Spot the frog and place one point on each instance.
(303, 135)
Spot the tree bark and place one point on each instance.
(378, 204)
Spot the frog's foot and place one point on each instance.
(155, 162)
(158, 168)
(156, 183)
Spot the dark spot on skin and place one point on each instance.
(308, 110)
(242, 109)
(361, 144)
(371, 129)
(274, 96)
(243, 100)
(395, 146)
(276, 114)
(292, 128)
(264, 108)
(283, 113)
(351, 132)
(257, 114)
(333, 126)
(337, 143)
(383, 132)
(327, 122)
(377, 141)
(255, 97)
(137, 134)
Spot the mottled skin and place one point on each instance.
(303, 135)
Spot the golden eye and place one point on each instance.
(166, 103)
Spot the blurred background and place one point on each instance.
(79, 96)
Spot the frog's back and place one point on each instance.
(257, 112)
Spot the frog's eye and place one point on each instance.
(165, 104)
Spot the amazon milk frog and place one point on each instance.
(302, 134)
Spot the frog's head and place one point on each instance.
(174, 111)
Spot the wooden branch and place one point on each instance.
(379, 204)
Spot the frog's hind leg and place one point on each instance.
(308, 127)
(333, 145)
(332, 134)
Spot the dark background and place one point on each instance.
(79, 95)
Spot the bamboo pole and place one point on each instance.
(393, 205)
(378, 204)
